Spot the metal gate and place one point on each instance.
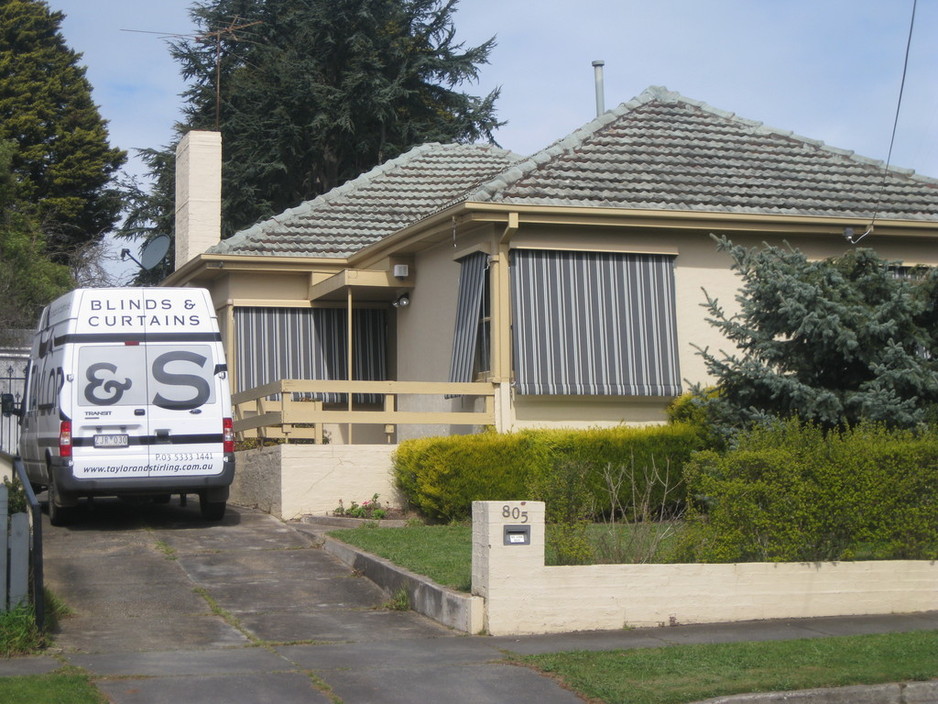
(12, 381)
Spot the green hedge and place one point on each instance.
(794, 493)
(442, 476)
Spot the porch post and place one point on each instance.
(501, 325)
(351, 356)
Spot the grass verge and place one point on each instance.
(678, 674)
(55, 688)
(18, 632)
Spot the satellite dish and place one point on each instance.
(153, 252)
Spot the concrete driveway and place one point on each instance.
(170, 608)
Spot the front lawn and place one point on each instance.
(444, 553)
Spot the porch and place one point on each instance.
(309, 444)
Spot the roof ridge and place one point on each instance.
(576, 138)
(307, 206)
(659, 92)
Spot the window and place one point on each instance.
(472, 334)
(309, 343)
(594, 323)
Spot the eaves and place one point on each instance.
(442, 224)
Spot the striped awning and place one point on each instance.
(308, 343)
(594, 323)
(468, 307)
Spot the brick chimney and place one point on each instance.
(198, 194)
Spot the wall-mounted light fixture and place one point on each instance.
(402, 301)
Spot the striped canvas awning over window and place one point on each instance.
(308, 343)
(594, 323)
(468, 307)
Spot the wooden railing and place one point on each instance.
(272, 411)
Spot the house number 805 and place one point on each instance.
(514, 513)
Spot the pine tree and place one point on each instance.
(834, 342)
(315, 92)
(63, 164)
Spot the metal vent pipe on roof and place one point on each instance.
(600, 92)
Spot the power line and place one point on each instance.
(848, 232)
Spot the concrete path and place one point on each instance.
(170, 608)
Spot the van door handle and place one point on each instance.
(162, 435)
(140, 411)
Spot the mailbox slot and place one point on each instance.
(517, 535)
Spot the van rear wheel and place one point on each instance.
(59, 515)
(212, 510)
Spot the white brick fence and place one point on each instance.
(523, 596)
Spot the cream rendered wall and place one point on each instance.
(698, 267)
(290, 481)
(425, 330)
(266, 286)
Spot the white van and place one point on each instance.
(127, 395)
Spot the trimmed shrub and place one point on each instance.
(441, 477)
(790, 492)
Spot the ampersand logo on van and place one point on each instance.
(114, 388)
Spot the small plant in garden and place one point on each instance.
(569, 505)
(16, 495)
(650, 508)
(370, 509)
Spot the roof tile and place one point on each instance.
(659, 151)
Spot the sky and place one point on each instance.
(829, 70)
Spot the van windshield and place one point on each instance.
(175, 378)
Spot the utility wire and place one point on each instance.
(892, 140)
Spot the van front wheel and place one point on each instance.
(212, 510)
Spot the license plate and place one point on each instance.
(110, 440)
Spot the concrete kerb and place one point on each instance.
(903, 693)
(456, 610)
(462, 612)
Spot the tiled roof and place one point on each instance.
(663, 151)
(659, 151)
(388, 198)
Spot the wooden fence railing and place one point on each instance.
(277, 410)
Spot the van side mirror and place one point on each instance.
(9, 406)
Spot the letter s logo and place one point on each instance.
(200, 386)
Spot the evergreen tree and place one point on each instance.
(315, 92)
(63, 164)
(833, 342)
(28, 280)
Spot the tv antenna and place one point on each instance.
(231, 30)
